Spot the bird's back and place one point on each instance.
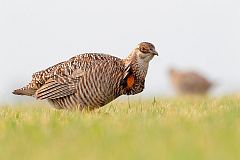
(194, 83)
(83, 61)
(190, 82)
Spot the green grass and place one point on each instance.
(178, 128)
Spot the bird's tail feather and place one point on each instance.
(28, 91)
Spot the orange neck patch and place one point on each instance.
(130, 81)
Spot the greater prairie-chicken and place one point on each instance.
(189, 82)
(91, 80)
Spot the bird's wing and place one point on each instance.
(57, 87)
(60, 80)
(194, 79)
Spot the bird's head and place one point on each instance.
(172, 71)
(145, 51)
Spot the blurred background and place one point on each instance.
(190, 35)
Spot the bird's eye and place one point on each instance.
(143, 49)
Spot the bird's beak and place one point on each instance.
(155, 53)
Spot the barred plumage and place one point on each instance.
(91, 80)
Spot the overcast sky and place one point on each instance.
(203, 35)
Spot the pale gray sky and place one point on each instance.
(203, 35)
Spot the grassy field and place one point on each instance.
(176, 128)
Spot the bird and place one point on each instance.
(91, 80)
(189, 82)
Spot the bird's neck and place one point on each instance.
(138, 66)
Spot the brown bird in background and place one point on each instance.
(189, 82)
(91, 80)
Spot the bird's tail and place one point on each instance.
(27, 91)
